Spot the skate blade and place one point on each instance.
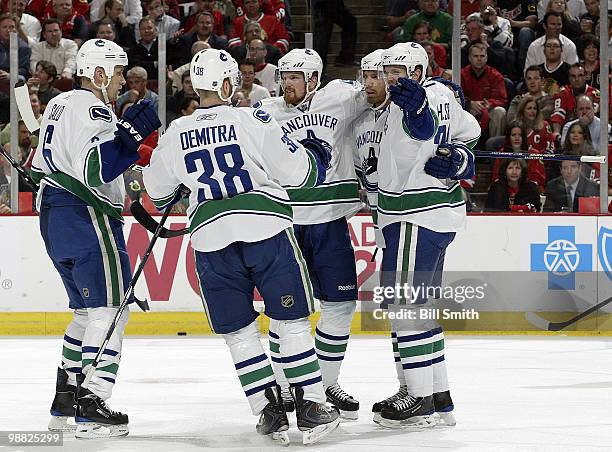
(92, 430)
(445, 419)
(280, 438)
(416, 423)
(62, 424)
(348, 415)
(377, 418)
(319, 432)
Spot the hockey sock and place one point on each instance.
(71, 349)
(300, 362)
(252, 364)
(416, 346)
(277, 363)
(398, 362)
(98, 321)
(440, 377)
(331, 337)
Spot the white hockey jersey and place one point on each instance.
(236, 162)
(328, 115)
(367, 135)
(74, 124)
(405, 191)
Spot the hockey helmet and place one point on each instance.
(371, 62)
(408, 54)
(99, 53)
(210, 67)
(306, 61)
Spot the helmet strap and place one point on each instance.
(103, 88)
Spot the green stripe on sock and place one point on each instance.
(111, 368)
(256, 375)
(274, 347)
(71, 354)
(324, 346)
(395, 347)
(438, 345)
(304, 369)
(417, 350)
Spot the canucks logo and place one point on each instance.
(561, 257)
(262, 115)
(604, 249)
(100, 113)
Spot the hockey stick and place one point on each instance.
(22, 98)
(23, 173)
(554, 157)
(546, 325)
(126, 298)
(148, 222)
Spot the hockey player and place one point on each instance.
(82, 155)
(236, 162)
(320, 214)
(424, 152)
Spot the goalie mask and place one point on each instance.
(410, 55)
(306, 61)
(100, 53)
(210, 67)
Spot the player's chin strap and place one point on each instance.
(383, 104)
(103, 89)
(228, 98)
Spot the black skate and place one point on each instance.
(345, 404)
(409, 411)
(315, 420)
(288, 400)
(96, 420)
(444, 409)
(273, 419)
(64, 404)
(378, 406)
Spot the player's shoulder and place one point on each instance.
(340, 87)
(270, 104)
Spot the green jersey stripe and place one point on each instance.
(414, 201)
(342, 191)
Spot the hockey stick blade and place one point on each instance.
(148, 222)
(142, 304)
(546, 325)
(22, 98)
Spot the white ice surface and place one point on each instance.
(182, 394)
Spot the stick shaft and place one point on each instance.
(554, 157)
(23, 173)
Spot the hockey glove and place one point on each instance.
(455, 88)
(321, 151)
(137, 123)
(452, 161)
(411, 97)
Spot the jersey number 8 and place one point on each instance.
(231, 171)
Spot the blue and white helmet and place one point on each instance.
(408, 54)
(210, 67)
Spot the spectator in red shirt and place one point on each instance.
(433, 69)
(201, 6)
(43, 9)
(276, 32)
(485, 89)
(74, 26)
(273, 7)
(565, 101)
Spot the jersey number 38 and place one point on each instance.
(229, 160)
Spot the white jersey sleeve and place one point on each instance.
(74, 152)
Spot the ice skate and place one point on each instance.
(409, 412)
(95, 419)
(273, 419)
(444, 409)
(315, 420)
(346, 405)
(378, 406)
(63, 407)
(288, 400)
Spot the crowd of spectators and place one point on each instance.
(530, 74)
(527, 65)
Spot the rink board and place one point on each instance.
(489, 250)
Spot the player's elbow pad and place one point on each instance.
(115, 159)
(421, 127)
(468, 165)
